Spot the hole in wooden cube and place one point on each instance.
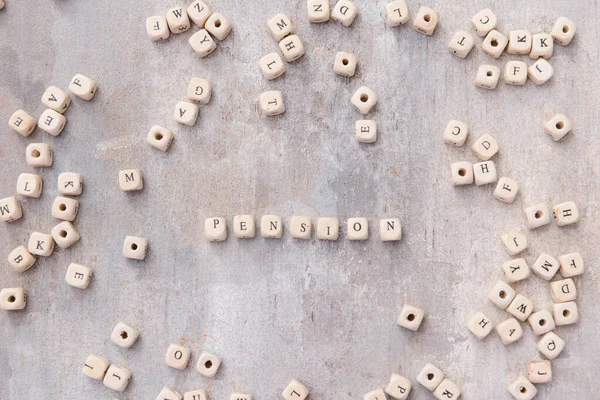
(487, 77)
(345, 64)
(446, 390)
(484, 21)
(566, 213)
(375, 395)
(117, 378)
(199, 90)
(10, 209)
(78, 276)
(365, 131)
(565, 313)
(202, 43)
(12, 299)
(540, 72)
(521, 307)
(537, 215)
(157, 28)
(425, 21)
(65, 208)
(558, 127)
(39, 155)
(292, 48)
(218, 25)
(160, 137)
(271, 226)
(522, 389)
(397, 13)
(199, 12)
(571, 265)
(65, 235)
(280, 26)
(208, 364)
(271, 103)
(56, 99)
(178, 20)
(21, 259)
(545, 266)
(215, 229)
(272, 66)
(22, 122)
(456, 133)
(135, 247)
(563, 31)
(295, 390)
(124, 335)
(516, 270)
(541, 322)
(494, 43)
(461, 44)
(563, 291)
(399, 387)
(177, 356)
(539, 371)
(83, 87)
(244, 226)
(390, 229)
(70, 184)
(358, 229)
(300, 227)
(318, 10)
(502, 295)
(430, 377)
(344, 11)
(186, 113)
(410, 317)
(515, 241)
(550, 345)
(480, 325)
(462, 173)
(41, 244)
(95, 367)
(509, 331)
(130, 180)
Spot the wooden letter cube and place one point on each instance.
(12, 299)
(52, 122)
(558, 127)
(135, 247)
(95, 367)
(537, 215)
(515, 241)
(506, 190)
(300, 227)
(430, 377)
(186, 113)
(65, 235)
(399, 387)
(218, 25)
(131, 179)
(271, 103)
(541, 322)
(487, 77)
(509, 331)
(70, 184)
(244, 226)
(516, 270)
(159, 137)
(178, 20)
(565, 313)
(328, 228)
(461, 44)
(522, 389)
(65, 208)
(83, 87)
(295, 390)
(485, 173)
(169, 394)
(364, 99)
(117, 378)
(177, 356)
(280, 26)
(39, 155)
(521, 307)
(542, 47)
(563, 31)
(41, 244)
(540, 72)
(365, 131)
(78, 276)
(199, 90)
(446, 390)
(345, 11)
(502, 295)
(272, 66)
(550, 345)
(563, 291)
(484, 21)
(292, 48)
(240, 396)
(397, 13)
(358, 229)
(519, 42)
(378, 394)
(390, 229)
(494, 43)
(425, 21)
(485, 147)
(410, 317)
(208, 364)
(480, 325)
(56, 99)
(157, 28)
(566, 213)
(462, 173)
(215, 229)
(539, 371)
(22, 122)
(456, 133)
(318, 10)
(515, 73)
(571, 265)
(10, 209)
(545, 266)
(21, 259)
(199, 12)
(195, 395)
(202, 43)
(271, 226)
(124, 335)
(345, 64)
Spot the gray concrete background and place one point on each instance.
(323, 313)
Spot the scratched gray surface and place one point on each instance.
(323, 313)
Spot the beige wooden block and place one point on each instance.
(519, 42)
(65, 235)
(186, 113)
(377, 394)
(22, 122)
(41, 244)
(509, 331)
(462, 173)
(397, 13)
(280, 26)
(218, 26)
(558, 127)
(515, 73)
(271, 226)
(515, 241)
(195, 395)
(52, 122)
(345, 64)
(124, 335)
(485, 147)
(522, 389)
(358, 229)
(365, 131)
(168, 393)
(78, 276)
(461, 44)
(430, 377)
(364, 99)
(502, 295)
(244, 226)
(160, 138)
(494, 43)
(292, 48)
(300, 227)
(117, 378)
(12, 299)
(70, 184)
(344, 11)
(328, 228)
(199, 90)
(516, 270)
(199, 12)
(447, 390)
(485, 173)
(480, 325)
(157, 28)
(21, 259)
(565, 313)
(318, 10)
(39, 155)
(539, 371)
(135, 247)
(487, 77)
(521, 307)
(295, 390)
(83, 87)
(272, 66)
(95, 367)
(550, 345)
(56, 99)
(65, 208)
(545, 266)
(563, 31)
(202, 43)
(541, 322)
(563, 291)
(271, 103)
(540, 72)
(410, 317)
(208, 364)
(542, 47)
(10, 209)
(177, 356)
(215, 229)
(571, 264)
(425, 21)
(399, 387)
(506, 190)
(566, 213)
(177, 19)
(130, 180)
(456, 133)
(484, 21)
(390, 229)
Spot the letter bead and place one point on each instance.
(364, 99)
(195, 395)
(545, 266)
(558, 127)
(521, 307)
(21, 259)
(541, 322)
(280, 26)
(344, 11)
(462, 173)
(240, 396)
(519, 42)
(425, 21)
(377, 394)
(39, 155)
(563, 291)
(345, 64)
(506, 190)
(565, 313)
(131, 179)
(494, 44)
(160, 137)
(12, 299)
(563, 31)
(487, 77)
(117, 378)
(300, 227)
(78, 276)
(502, 295)
(56, 99)
(169, 394)
(318, 10)
(95, 367)
(566, 213)
(328, 228)
(22, 122)
(65, 235)
(358, 229)
(399, 387)
(215, 229)
(540, 72)
(390, 229)
(41, 244)
(485, 173)
(218, 25)
(70, 183)
(177, 19)
(244, 226)
(365, 131)
(65, 208)
(52, 122)
(509, 331)
(515, 241)
(135, 247)
(456, 133)
(271, 103)
(208, 364)
(295, 391)
(202, 43)
(485, 147)
(10, 209)
(177, 356)
(480, 325)
(537, 215)
(516, 270)
(539, 371)
(522, 389)
(186, 113)
(551, 345)
(83, 87)
(515, 73)
(199, 12)
(461, 44)
(157, 28)
(199, 90)
(542, 47)
(292, 48)
(271, 226)
(430, 377)
(411, 318)
(397, 13)
(446, 390)
(124, 335)
(484, 21)
(571, 265)
(272, 66)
